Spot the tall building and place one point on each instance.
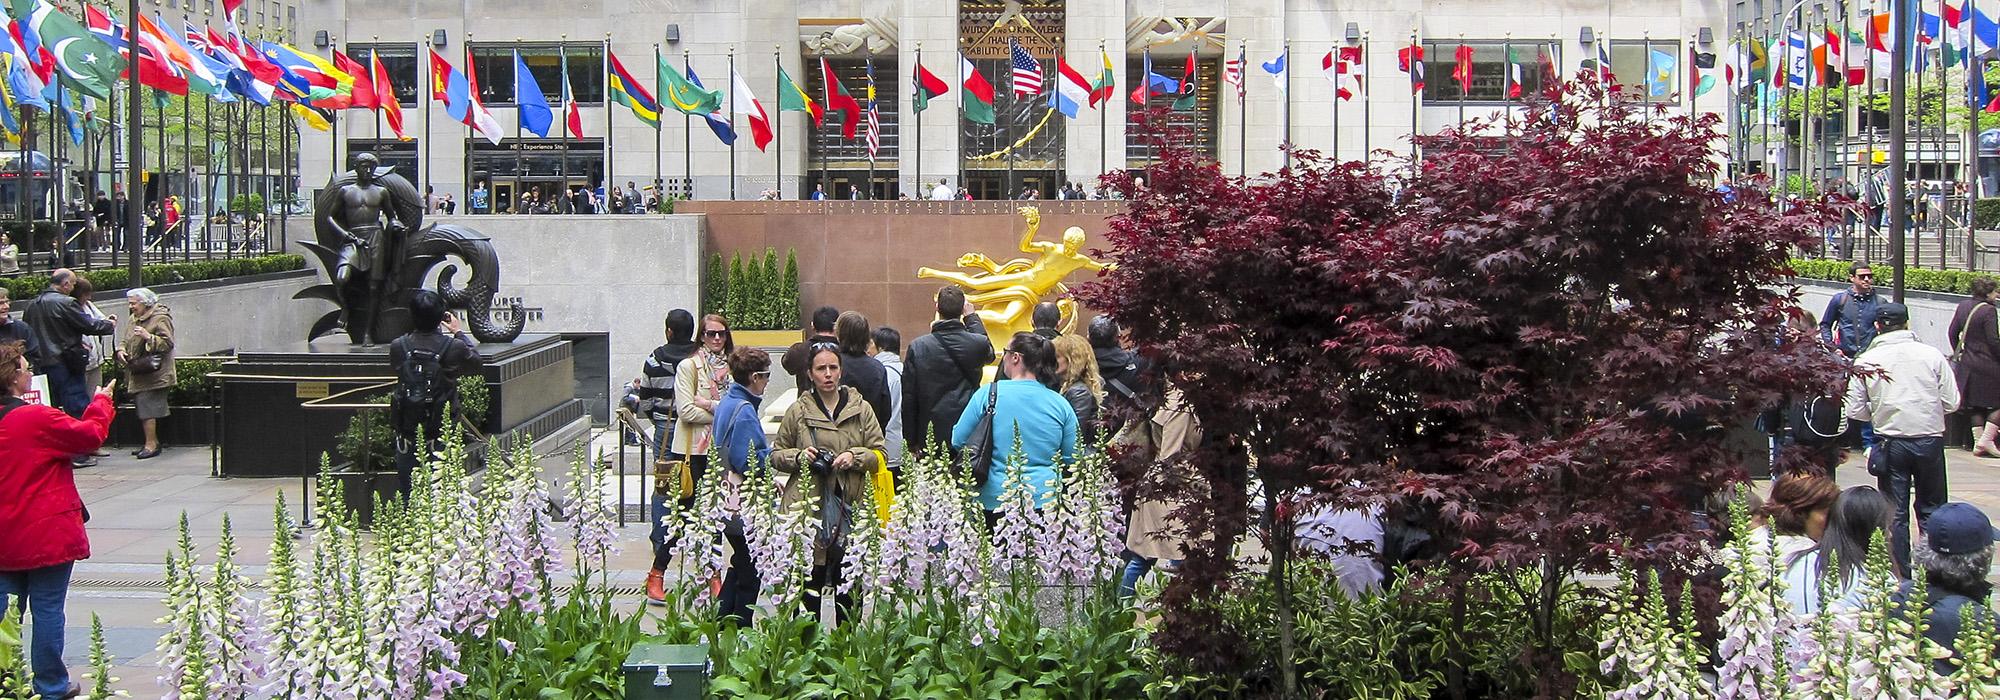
(1029, 145)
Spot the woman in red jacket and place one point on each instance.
(41, 514)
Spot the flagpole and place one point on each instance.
(778, 124)
(520, 165)
(430, 84)
(1416, 126)
(826, 101)
(1464, 86)
(562, 129)
(1367, 156)
(609, 152)
(918, 115)
(869, 188)
(1285, 143)
(1242, 111)
(1899, 54)
(732, 122)
(960, 121)
(1103, 119)
(687, 133)
(472, 90)
(1969, 153)
(1336, 107)
(373, 42)
(1944, 97)
(134, 158)
(1507, 87)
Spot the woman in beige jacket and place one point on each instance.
(831, 444)
(1167, 438)
(699, 382)
(152, 333)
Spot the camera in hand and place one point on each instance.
(822, 464)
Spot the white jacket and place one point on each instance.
(892, 434)
(1913, 391)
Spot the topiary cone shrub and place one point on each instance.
(1529, 347)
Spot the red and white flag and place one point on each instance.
(1027, 70)
(1410, 60)
(742, 101)
(1232, 74)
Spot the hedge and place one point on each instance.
(1921, 279)
(1986, 214)
(29, 285)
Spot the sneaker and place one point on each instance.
(82, 462)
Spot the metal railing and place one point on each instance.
(80, 245)
(1935, 237)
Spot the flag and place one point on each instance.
(535, 114)
(1072, 91)
(67, 109)
(1977, 96)
(871, 120)
(88, 65)
(317, 72)
(1701, 69)
(572, 117)
(744, 102)
(1660, 73)
(20, 77)
(9, 126)
(1280, 74)
(154, 70)
(249, 74)
(1797, 72)
(1514, 88)
(792, 98)
(1735, 66)
(358, 94)
(479, 119)
(1547, 62)
(1461, 70)
(1346, 75)
(718, 121)
(1232, 72)
(626, 90)
(215, 72)
(311, 116)
(1106, 87)
(1185, 101)
(1027, 70)
(200, 77)
(686, 97)
(454, 89)
(1151, 83)
(1410, 60)
(1603, 62)
(1982, 32)
(385, 96)
(928, 86)
(40, 58)
(837, 98)
(977, 103)
(1757, 64)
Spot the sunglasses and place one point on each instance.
(1864, 276)
(715, 334)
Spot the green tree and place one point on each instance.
(770, 288)
(737, 303)
(715, 287)
(788, 318)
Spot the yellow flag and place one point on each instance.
(310, 117)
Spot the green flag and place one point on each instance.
(84, 62)
(686, 97)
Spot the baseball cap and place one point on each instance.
(1959, 528)
(1892, 313)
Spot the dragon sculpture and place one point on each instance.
(370, 237)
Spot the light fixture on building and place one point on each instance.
(673, 33)
(320, 39)
(1353, 32)
(1585, 36)
(437, 38)
(1704, 36)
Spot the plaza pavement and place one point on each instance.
(136, 505)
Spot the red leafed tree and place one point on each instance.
(1536, 340)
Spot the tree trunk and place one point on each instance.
(1281, 554)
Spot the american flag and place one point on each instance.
(871, 120)
(1232, 73)
(1027, 71)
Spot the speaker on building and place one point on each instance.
(1704, 36)
(673, 33)
(1353, 32)
(1585, 36)
(321, 40)
(437, 38)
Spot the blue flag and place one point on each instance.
(70, 117)
(1660, 74)
(536, 116)
(717, 122)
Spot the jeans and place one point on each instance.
(663, 545)
(740, 586)
(1911, 463)
(67, 387)
(43, 591)
(824, 576)
(1135, 568)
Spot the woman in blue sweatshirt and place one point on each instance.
(1028, 405)
(740, 442)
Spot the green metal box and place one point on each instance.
(666, 672)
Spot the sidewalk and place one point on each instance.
(136, 507)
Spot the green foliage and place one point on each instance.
(473, 400)
(715, 287)
(27, 286)
(737, 294)
(1800, 186)
(15, 681)
(252, 203)
(1986, 213)
(1396, 643)
(788, 317)
(770, 293)
(369, 442)
(1917, 278)
(193, 386)
(574, 651)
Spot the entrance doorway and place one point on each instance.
(994, 184)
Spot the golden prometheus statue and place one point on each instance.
(1006, 293)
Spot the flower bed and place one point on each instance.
(27, 286)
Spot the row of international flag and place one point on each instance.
(50, 60)
(1835, 56)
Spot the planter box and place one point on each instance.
(184, 425)
(666, 671)
(768, 339)
(359, 491)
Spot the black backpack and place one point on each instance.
(1817, 420)
(420, 389)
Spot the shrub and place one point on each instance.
(369, 442)
(27, 286)
(715, 287)
(1986, 214)
(1917, 278)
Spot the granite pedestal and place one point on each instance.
(270, 431)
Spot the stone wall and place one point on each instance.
(598, 274)
(241, 313)
(864, 255)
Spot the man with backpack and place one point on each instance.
(941, 371)
(428, 361)
(1849, 321)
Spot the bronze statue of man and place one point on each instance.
(365, 217)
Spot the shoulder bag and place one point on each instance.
(977, 455)
(1958, 344)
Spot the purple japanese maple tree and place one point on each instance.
(1535, 341)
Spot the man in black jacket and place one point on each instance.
(1119, 369)
(656, 383)
(12, 331)
(797, 360)
(435, 333)
(942, 370)
(60, 323)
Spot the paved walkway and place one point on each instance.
(136, 507)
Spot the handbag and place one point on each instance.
(147, 362)
(977, 455)
(1958, 348)
(669, 473)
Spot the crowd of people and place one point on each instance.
(55, 414)
(866, 402)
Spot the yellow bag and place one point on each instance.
(885, 487)
(666, 473)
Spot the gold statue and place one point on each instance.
(1006, 293)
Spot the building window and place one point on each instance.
(399, 61)
(1015, 119)
(1650, 69)
(495, 66)
(1186, 127)
(826, 145)
(400, 155)
(1492, 79)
